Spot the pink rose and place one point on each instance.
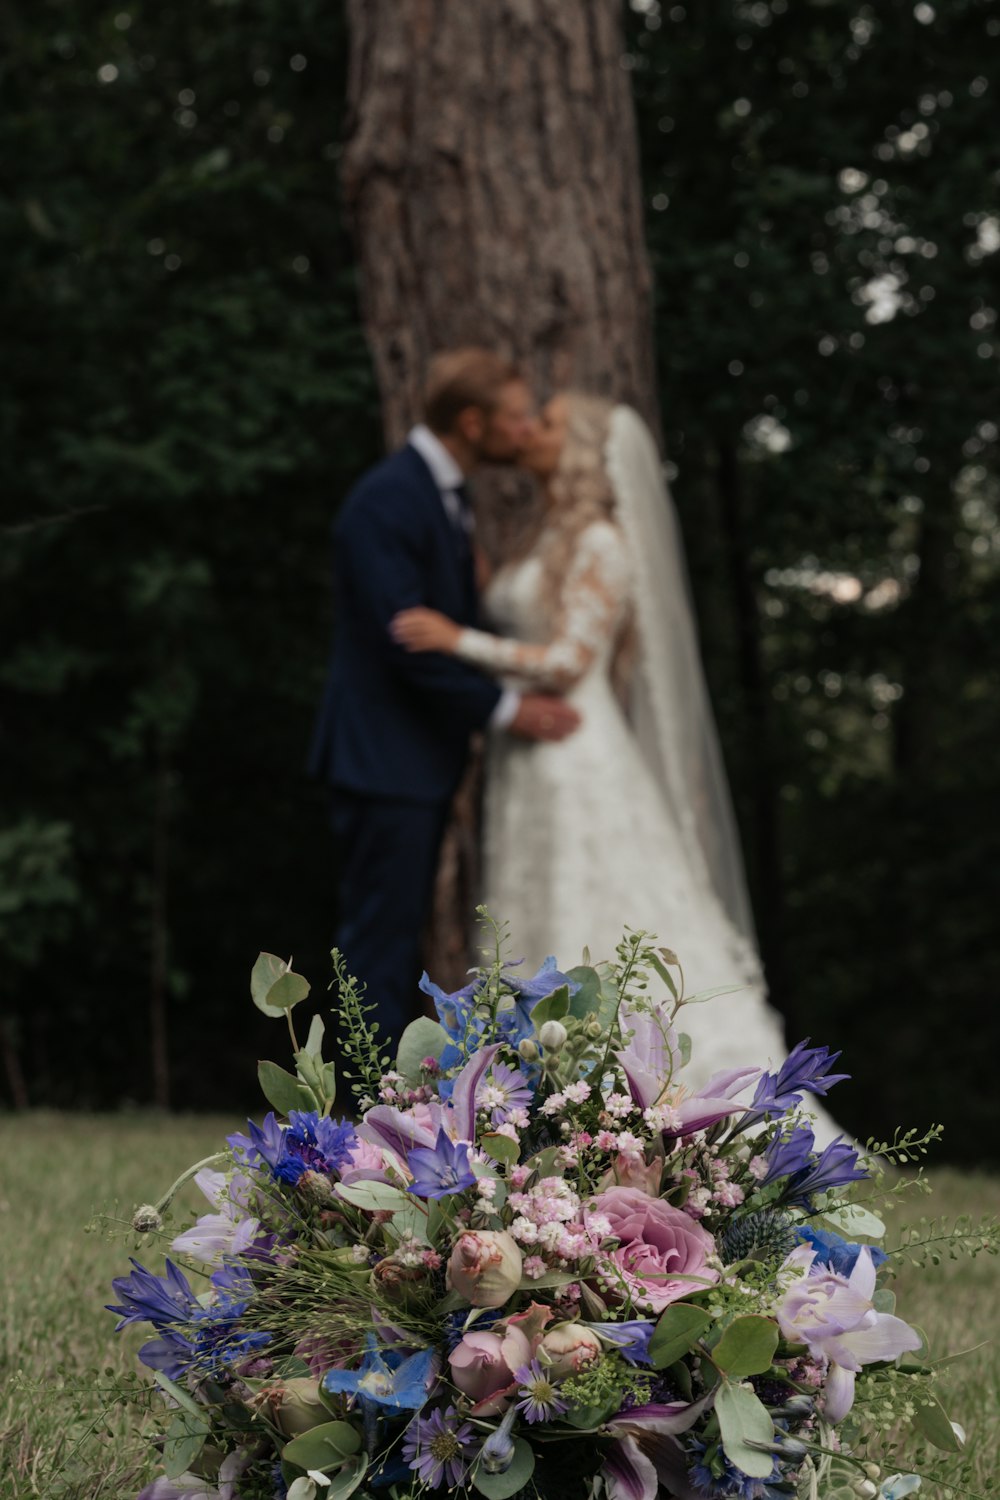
(483, 1365)
(634, 1172)
(567, 1349)
(661, 1254)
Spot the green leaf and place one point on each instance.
(551, 1007)
(684, 1047)
(743, 1421)
(184, 1440)
(665, 974)
(374, 1197)
(853, 1220)
(274, 988)
(747, 1346)
(884, 1301)
(422, 1038)
(283, 1090)
(502, 1486)
(586, 1001)
(265, 972)
(678, 1330)
(314, 1041)
(288, 991)
(500, 1147)
(704, 995)
(932, 1421)
(323, 1447)
(347, 1480)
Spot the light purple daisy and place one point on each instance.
(540, 1400)
(438, 1449)
(505, 1089)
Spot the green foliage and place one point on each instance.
(821, 203)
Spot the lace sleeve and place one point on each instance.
(594, 598)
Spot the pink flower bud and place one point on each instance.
(485, 1267)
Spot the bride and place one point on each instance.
(627, 821)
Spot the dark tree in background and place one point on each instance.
(492, 173)
(188, 395)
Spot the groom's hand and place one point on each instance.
(540, 717)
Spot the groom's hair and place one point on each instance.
(460, 378)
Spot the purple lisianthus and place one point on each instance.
(835, 1253)
(440, 1169)
(439, 1447)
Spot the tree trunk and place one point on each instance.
(491, 169)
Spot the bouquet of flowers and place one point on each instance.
(533, 1264)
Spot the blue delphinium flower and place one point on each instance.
(439, 1447)
(713, 1475)
(385, 1378)
(539, 1398)
(805, 1070)
(454, 1011)
(838, 1254)
(440, 1169)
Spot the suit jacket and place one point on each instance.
(391, 723)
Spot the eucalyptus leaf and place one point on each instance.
(422, 1038)
(932, 1421)
(747, 1346)
(586, 1000)
(263, 976)
(302, 1488)
(183, 1441)
(678, 1330)
(665, 974)
(288, 991)
(374, 1197)
(323, 1447)
(884, 1300)
(283, 1090)
(851, 1219)
(502, 1486)
(551, 1007)
(744, 1422)
(347, 1479)
(500, 1147)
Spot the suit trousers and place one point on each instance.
(388, 852)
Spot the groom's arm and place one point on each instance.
(380, 554)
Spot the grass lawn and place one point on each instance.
(57, 1347)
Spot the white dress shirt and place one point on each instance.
(448, 476)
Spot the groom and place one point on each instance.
(392, 737)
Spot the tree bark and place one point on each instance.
(491, 170)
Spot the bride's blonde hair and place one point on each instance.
(582, 493)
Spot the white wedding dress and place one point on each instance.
(579, 840)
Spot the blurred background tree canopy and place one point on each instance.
(187, 396)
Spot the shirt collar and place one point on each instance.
(444, 470)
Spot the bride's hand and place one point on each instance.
(425, 630)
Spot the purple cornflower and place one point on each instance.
(438, 1449)
(505, 1089)
(308, 1144)
(805, 1070)
(540, 1400)
(440, 1169)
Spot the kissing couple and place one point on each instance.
(606, 802)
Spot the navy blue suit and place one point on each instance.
(392, 736)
